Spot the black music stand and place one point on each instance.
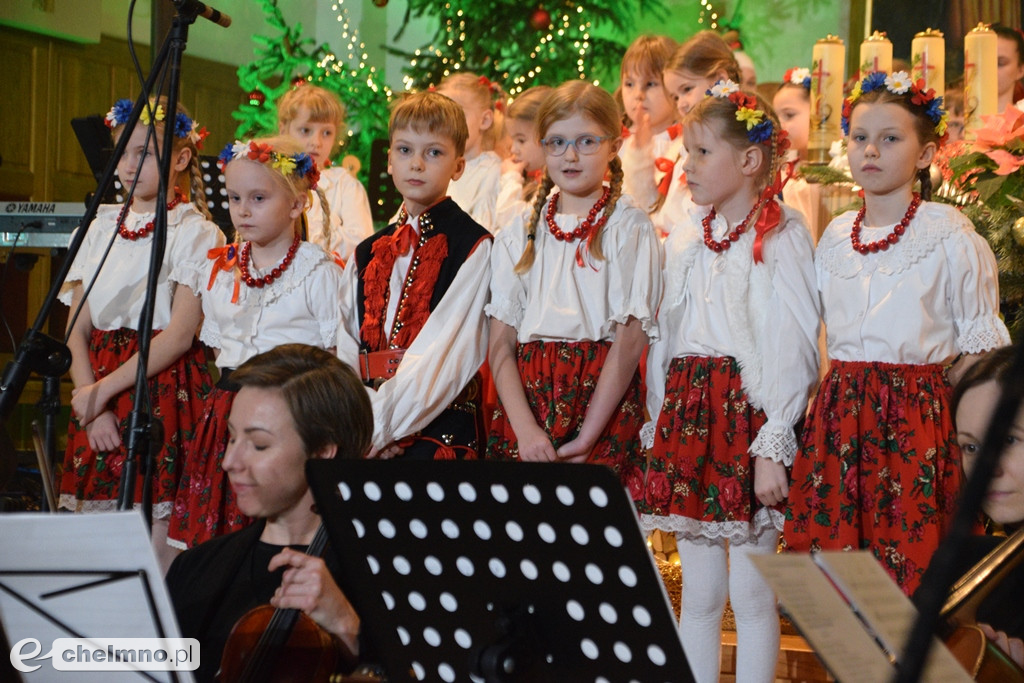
(83, 576)
(497, 571)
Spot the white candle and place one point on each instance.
(981, 90)
(875, 54)
(928, 60)
(827, 76)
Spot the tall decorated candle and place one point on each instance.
(827, 76)
(981, 90)
(875, 54)
(928, 60)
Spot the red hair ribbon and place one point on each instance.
(665, 166)
(224, 258)
(337, 259)
(674, 131)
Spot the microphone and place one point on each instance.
(200, 10)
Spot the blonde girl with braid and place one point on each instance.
(269, 288)
(102, 336)
(338, 213)
(730, 377)
(575, 285)
(482, 101)
(522, 170)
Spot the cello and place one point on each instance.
(285, 644)
(982, 658)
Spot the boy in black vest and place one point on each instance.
(413, 323)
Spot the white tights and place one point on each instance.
(710, 575)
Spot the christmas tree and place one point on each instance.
(286, 58)
(520, 45)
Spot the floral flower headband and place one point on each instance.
(759, 125)
(301, 164)
(184, 127)
(900, 83)
(798, 75)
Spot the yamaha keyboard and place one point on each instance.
(38, 224)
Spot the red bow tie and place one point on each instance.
(403, 240)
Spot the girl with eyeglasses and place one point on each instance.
(574, 290)
(730, 377)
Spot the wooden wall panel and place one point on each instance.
(22, 114)
(47, 82)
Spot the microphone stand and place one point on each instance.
(51, 358)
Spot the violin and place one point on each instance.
(282, 645)
(980, 657)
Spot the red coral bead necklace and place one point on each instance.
(717, 246)
(890, 239)
(148, 227)
(589, 224)
(259, 282)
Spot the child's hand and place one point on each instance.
(575, 451)
(103, 432)
(507, 165)
(89, 401)
(536, 446)
(392, 450)
(771, 482)
(641, 127)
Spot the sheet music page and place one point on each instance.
(887, 611)
(824, 618)
(42, 555)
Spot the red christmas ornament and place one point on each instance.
(540, 19)
(380, 3)
(257, 98)
(298, 80)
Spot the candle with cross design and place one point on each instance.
(827, 76)
(928, 60)
(875, 54)
(981, 88)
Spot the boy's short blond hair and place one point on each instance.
(430, 111)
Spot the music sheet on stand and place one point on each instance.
(823, 594)
(39, 554)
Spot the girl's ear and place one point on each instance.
(752, 160)
(328, 452)
(927, 155)
(298, 206)
(616, 145)
(181, 161)
(487, 120)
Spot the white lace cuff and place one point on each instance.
(982, 335)
(647, 434)
(775, 441)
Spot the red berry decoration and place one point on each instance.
(257, 98)
(540, 19)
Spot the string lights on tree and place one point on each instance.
(518, 44)
(287, 57)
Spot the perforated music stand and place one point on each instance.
(495, 571)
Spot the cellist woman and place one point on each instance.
(295, 402)
(974, 401)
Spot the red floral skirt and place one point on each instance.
(205, 506)
(700, 480)
(559, 379)
(90, 480)
(879, 466)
